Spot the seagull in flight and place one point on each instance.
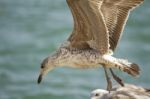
(98, 26)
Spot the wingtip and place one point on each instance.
(39, 79)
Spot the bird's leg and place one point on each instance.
(116, 78)
(109, 83)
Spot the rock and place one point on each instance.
(127, 92)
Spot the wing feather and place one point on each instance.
(99, 24)
(89, 27)
(116, 14)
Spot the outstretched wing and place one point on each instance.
(116, 13)
(90, 30)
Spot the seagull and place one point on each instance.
(127, 92)
(98, 26)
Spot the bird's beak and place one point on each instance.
(40, 78)
(43, 72)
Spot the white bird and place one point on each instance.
(127, 92)
(98, 25)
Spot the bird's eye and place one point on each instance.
(42, 65)
(96, 94)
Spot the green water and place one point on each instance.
(32, 29)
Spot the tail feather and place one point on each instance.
(133, 69)
(130, 68)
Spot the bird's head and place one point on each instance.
(46, 66)
(99, 94)
(57, 59)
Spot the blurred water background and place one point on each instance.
(32, 29)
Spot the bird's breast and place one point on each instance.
(82, 58)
